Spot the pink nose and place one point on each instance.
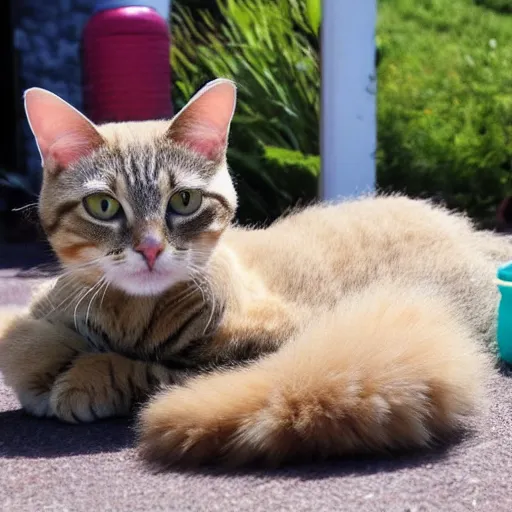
(150, 248)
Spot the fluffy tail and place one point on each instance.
(384, 370)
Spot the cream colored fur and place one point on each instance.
(382, 308)
(341, 329)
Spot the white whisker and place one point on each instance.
(80, 301)
(102, 282)
(25, 207)
(68, 298)
(184, 296)
(104, 292)
(197, 272)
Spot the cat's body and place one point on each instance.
(361, 326)
(295, 270)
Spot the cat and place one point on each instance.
(343, 328)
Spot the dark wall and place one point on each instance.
(10, 99)
(47, 42)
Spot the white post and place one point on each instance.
(348, 113)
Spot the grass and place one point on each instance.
(445, 102)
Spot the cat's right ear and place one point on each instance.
(203, 123)
(63, 134)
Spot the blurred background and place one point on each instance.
(444, 97)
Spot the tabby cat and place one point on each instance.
(341, 329)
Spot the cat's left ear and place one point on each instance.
(203, 123)
(63, 134)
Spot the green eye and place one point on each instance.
(186, 202)
(102, 206)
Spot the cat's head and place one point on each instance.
(141, 205)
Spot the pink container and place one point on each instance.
(125, 62)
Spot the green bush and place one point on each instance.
(273, 181)
(270, 48)
(265, 46)
(445, 102)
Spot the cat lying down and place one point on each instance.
(341, 329)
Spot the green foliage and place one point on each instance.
(293, 172)
(314, 14)
(264, 46)
(272, 181)
(445, 102)
(270, 48)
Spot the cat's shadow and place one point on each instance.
(22, 435)
(359, 465)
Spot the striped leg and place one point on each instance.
(103, 385)
(53, 373)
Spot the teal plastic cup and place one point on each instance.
(504, 332)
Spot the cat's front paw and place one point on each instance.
(96, 386)
(36, 400)
(99, 386)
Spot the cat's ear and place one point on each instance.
(203, 123)
(63, 134)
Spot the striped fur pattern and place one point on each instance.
(341, 329)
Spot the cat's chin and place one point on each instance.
(145, 284)
(134, 278)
